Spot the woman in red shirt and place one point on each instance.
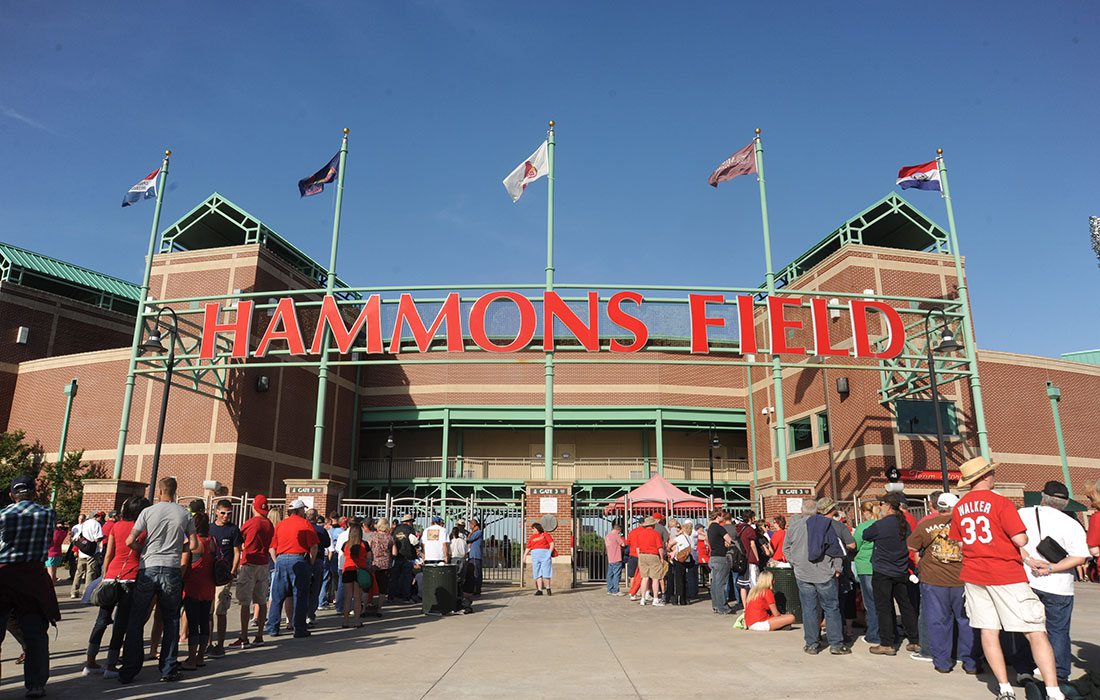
(541, 547)
(779, 533)
(198, 593)
(120, 563)
(761, 612)
(356, 557)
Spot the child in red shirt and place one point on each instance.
(198, 593)
(761, 612)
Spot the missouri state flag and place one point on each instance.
(536, 166)
(925, 176)
(144, 189)
(315, 183)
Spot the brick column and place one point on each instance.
(561, 492)
(323, 494)
(1013, 492)
(777, 495)
(109, 494)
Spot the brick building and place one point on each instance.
(476, 431)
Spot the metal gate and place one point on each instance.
(504, 534)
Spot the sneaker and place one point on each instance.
(1007, 695)
(240, 644)
(812, 649)
(635, 598)
(538, 591)
(618, 594)
(883, 650)
(171, 677)
(642, 602)
(648, 596)
(216, 652)
(917, 656)
(658, 603)
(942, 670)
(912, 647)
(88, 671)
(38, 692)
(840, 650)
(972, 671)
(549, 592)
(109, 675)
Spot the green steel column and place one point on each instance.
(1055, 395)
(645, 454)
(356, 430)
(750, 423)
(777, 368)
(660, 442)
(967, 322)
(446, 440)
(70, 394)
(139, 324)
(330, 283)
(459, 452)
(548, 437)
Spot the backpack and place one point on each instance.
(406, 549)
(735, 555)
(223, 567)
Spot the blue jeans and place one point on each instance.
(942, 610)
(869, 605)
(815, 598)
(1059, 608)
(614, 572)
(402, 574)
(291, 579)
(479, 573)
(326, 578)
(36, 644)
(316, 584)
(692, 581)
(165, 585)
(719, 575)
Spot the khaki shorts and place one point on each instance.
(650, 566)
(253, 584)
(1013, 608)
(223, 598)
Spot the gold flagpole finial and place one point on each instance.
(167, 152)
(757, 131)
(346, 131)
(939, 151)
(551, 123)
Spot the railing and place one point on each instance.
(578, 469)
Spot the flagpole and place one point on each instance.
(548, 437)
(964, 301)
(780, 426)
(330, 284)
(139, 324)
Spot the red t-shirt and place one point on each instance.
(294, 535)
(107, 527)
(758, 610)
(703, 549)
(199, 584)
(124, 563)
(645, 540)
(777, 545)
(257, 532)
(747, 535)
(1093, 538)
(984, 523)
(541, 540)
(357, 562)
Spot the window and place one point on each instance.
(823, 428)
(802, 436)
(915, 417)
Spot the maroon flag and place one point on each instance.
(741, 163)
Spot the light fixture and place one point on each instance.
(389, 440)
(842, 386)
(263, 383)
(153, 344)
(715, 443)
(948, 342)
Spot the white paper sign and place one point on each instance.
(308, 500)
(548, 505)
(794, 505)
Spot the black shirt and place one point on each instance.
(716, 540)
(226, 537)
(405, 549)
(891, 554)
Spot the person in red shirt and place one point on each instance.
(998, 597)
(651, 555)
(1093, 537)
(120, 563)
(356, 557)
(198, 593)
(540, 545)
(761, 612)
(779, 533)
(253, 580)
(293, 548)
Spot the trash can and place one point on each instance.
(786, 591)
(440, 594)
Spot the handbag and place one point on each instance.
(1048, 548)
(109, 591)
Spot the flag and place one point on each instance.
(741, 163)
(526, 172)
(315, 183)
(925, 176)
(146, 189)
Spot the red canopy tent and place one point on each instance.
(658, 494)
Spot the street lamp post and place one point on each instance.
(389, 465)
(153, 344)
(714, 445)
(70, 393)
(1055, 395)
(947, 344)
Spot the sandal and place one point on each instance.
(21, 659)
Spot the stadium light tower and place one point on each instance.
(1094, 235)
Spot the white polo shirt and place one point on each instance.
(435, 539)
(90, 530)
(1044, 521)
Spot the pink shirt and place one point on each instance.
(614, 543)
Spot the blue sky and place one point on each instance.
(444, 98)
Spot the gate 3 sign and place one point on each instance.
(285, 327)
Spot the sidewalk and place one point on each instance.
(579, 643)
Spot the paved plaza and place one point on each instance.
(579, 643)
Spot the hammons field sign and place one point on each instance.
(285, 326)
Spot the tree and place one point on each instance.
(17, 459)
(63, 481)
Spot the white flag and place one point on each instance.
(528, 171)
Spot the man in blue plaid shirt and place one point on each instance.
(25, 587)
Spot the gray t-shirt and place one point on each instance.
(167, 527)
(795, 549)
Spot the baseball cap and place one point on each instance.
(113, 514)
(297, 504)
(436, 520)
(407, 518)
(22, 484)
(1056, 489)
(260, 504)
(947, 500)
(101, 514)
(659, 517)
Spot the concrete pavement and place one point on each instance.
(579, 643)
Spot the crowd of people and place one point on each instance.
(977, 583)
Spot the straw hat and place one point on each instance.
(826, 505)
(649, 522)
(974, 469)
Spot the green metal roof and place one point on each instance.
(218, 223)
(891, 222)
(37, 271)
(1091, 357)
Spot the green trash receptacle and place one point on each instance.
(440, 584)
(786, 591)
